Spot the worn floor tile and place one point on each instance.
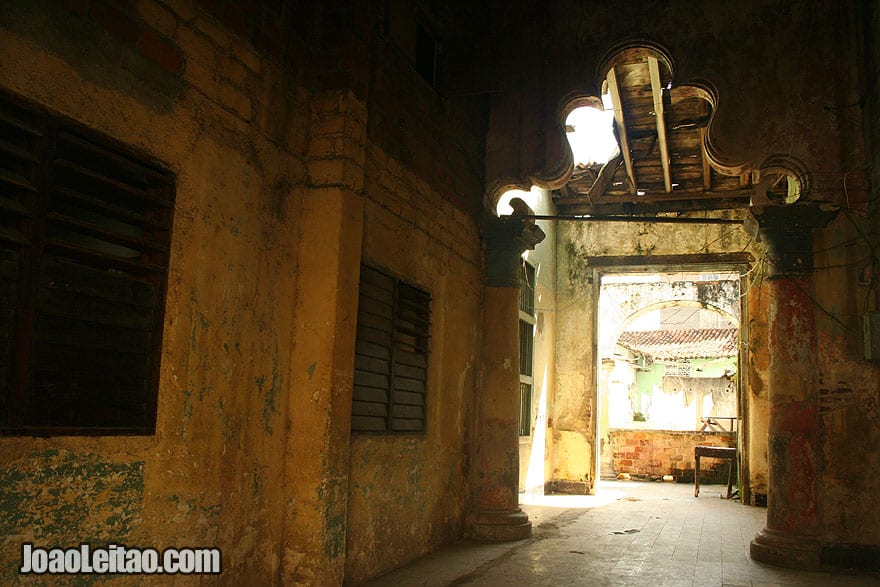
(630, 534)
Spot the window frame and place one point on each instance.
(113, 243)
(527, 320)
(392, 348)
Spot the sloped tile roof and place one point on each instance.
(681, 344)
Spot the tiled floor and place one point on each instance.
(631, 533)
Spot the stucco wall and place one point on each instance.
(285, 179)
(224, 120)
(849, 388)
(575, 449)
(409, 493)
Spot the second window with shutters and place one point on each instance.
(391, 355)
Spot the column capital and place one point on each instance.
(506, 240)
(787, 232)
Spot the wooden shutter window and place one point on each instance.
(89, 279)
(21, 138)
(391, 355)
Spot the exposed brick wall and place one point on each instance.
(228, 52)
(392, 186)
(439, 138)
(150, 35)
(260, 23)
(654, 453)
(224, 51)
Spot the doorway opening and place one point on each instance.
(668, 344)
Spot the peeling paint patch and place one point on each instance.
(187, 404)
(58, 497)
(269, 408)
(331, 493)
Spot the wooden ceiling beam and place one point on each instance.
(690, 201)
(606, 176)
(677, 196)
(629, 209)
(657, 93)
(622, 137)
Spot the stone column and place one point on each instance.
(791, 537)
(498, 516)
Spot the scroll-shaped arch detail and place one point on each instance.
(501, 186)
(632, 49)
(557, 175)
(575, 100)
(702, 89)
(681, 149)
(706, 91)
(559, 172)
(773, 170)
(698, 88)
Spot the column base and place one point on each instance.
(783, 550)
(501, 526)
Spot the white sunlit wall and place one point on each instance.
(534, 445)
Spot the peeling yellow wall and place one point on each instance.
(279, 189)
(575, 415)
(212, 474)
(409, 493)
(534, 467)
(849, 402)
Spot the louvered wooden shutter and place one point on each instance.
(411, 328)
(21, 142)
(90, 281)
(391, 355)
(372, 370)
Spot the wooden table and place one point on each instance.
(715, 452)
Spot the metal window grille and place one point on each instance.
(525, 409)
(85, 227)
(527, 288)
(526, 344)
(526, 347)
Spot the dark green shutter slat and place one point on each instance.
(368, 424)
(404, 384)
(409, 358)
(409, 398)
(370, 394)
(393, 328)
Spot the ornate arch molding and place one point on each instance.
(778, 179)
(776, 168)
(632, 49)
(696, 88)
(497, 188)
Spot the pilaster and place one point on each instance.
(323, 359)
